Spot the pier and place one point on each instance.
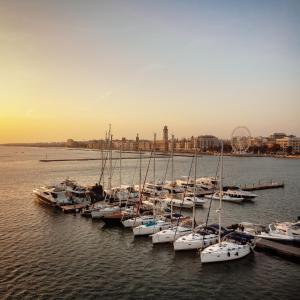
(286, 250)
(72, 207)
(262, 186)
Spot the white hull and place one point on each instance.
(194, 241)
(278, 237)
(225, 198)
(224, 252)
(150, 229)
(134, 222)
(169, 235)
(100, 213)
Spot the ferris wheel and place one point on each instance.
(240, 139)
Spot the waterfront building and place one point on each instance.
(277, 135)
(289, 141)
(207, 142)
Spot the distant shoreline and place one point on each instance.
(176, 153)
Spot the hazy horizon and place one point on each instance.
(69, 68)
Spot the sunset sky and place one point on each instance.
(69, 68)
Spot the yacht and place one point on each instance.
(186, 202)
(294, 227)
(238, 193)
(64, 193)
(225, 197)
(281, 233)
(206, 183)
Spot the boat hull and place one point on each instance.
(148, 230)
(192, 242)
(226, 252)
(167, 236)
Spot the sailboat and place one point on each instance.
(227, 249)
(199, 237)
(156, 224)
(171, 234)
(121, 212)
(138, 219)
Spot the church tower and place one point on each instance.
(166, 139)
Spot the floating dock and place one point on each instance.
(72, 207)
(262, 186)
(287, 250)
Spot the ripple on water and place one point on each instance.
(48, 255)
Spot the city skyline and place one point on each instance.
(68, 69)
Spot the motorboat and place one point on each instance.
(225, 197)
(277, 234)
(294, 227)
(206, 183)
(186, 202)
(248, 228)
(238, 193)
(65, 193)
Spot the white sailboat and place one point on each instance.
(223, 250)
(174, 232)
(197, 238)
(157, 224)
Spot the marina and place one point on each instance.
(91, 243)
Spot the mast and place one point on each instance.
(110, 159)
(221, 192)
(154, 146)
(120, 174)
(195, 177)
(140, 178)
(172, 175)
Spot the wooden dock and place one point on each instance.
(286, 250)
(72, 207)
(262, 186)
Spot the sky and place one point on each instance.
(69, 68)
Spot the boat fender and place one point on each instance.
(228, 254)
(237, 254)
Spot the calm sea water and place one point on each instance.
(45, 254)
